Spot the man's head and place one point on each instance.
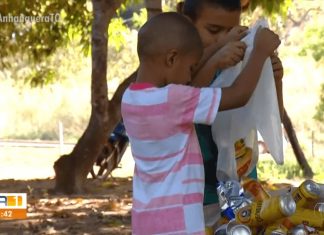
(213, 18)
(171, 42)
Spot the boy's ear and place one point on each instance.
(171, 57)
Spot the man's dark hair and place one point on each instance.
(191, 8)
(167, 31)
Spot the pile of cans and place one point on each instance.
(247, 208)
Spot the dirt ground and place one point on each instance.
(103, 209)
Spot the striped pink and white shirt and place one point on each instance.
(168, 183)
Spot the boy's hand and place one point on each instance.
(266, 42)
(277, 67)
(229, 55)
(235, 34)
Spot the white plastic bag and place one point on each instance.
(260, 113)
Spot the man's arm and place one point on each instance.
(278, 75)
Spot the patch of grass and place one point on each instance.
(269, 170)
(28, 163)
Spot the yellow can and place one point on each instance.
(306, 192)
(243, 156)
(244, 215)
(317, 232)
(254, 188)
(209, 231)
(267, 211)
(308, 217)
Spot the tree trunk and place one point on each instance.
(71, 170)
(302, 161)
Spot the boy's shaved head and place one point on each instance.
(165, 32)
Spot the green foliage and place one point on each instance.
(40, 39)
(319, 116)
(315, 43)
(67, 99)
(268, 169)
(117, 31)
(34, 30)
(128, 3)
(139, 18)
(41, 75)
(271, 7)
(315, 46)
(37, 42)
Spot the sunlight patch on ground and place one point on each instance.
(37, 163)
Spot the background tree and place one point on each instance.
(72, 170)
(315, 47)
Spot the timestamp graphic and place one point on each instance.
(13, 206)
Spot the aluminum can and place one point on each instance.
(228, 213)
(275, 229)
(244, 215)
(320, 207)
(316, 232)
(231, 198)
(255, 189)
(321, 186)
(267, 211)
(307, 191)
(316, 205)
(307, 217)
(233, 228)
(233, 188)
(298, 230)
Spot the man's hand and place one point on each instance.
(229, 55)
(277, 67)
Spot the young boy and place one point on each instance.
(217, 22)
(159, 111)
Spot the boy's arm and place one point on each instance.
(227, 56)
(278, 75)
(241, 90)
(210, 62)
(208, 53)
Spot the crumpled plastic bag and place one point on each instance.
(261, 113)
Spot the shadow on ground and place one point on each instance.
(103, 209)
